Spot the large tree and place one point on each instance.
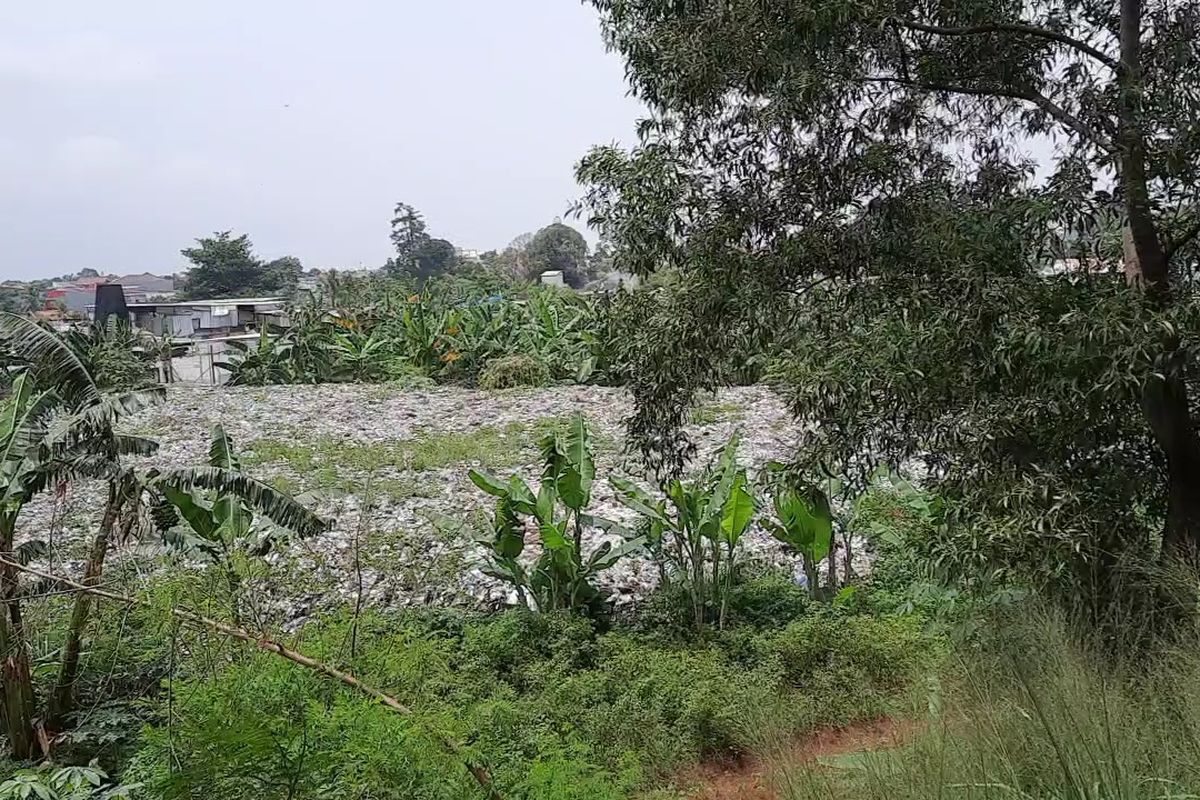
(418, 254)
(559, 247)
(409, 233)
(224, 265)
(849, 173)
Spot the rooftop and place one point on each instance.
(221, 301)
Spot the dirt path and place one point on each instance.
(751, 779)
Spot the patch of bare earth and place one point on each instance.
(750, 779)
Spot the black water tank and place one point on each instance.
(110, 299)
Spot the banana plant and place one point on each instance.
(360, 357)
(803, 521)
(211, 511)
(694, 528)
(561, 577)
(57, 425)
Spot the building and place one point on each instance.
(75, 296)
(206, 319)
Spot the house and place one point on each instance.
(206, 319)
(75, 296)
(146, 286)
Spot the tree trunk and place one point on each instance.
(1165, 402)
(62, 702)
(14, 669)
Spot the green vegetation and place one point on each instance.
(327, 462)
(694, 530)
(224, 265)
(555, 709)
(509, 372)
(1038, 711)
(562, 577)
(827, 196)
(448, 330)
(713, 412)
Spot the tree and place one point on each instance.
(513, 260)
(409, 232)
(433, 257)
(225, 266)
(282, 275)
(417, 253)
(558, 247)
(853, 168)
(58, 424)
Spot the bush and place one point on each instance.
(866, 661)
(509, 372)
(1040, 713)
(764, 601)
(550, 707)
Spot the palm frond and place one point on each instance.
(220, 450)
(25, 420)
(47, 473)
(129, 445)
(281, 509)
(52, 362)
(91, 428)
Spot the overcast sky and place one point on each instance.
(131, 127)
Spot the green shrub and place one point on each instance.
(510, 372)
(768, 600)
(553, 709)
(865, 654)
(1040, 713)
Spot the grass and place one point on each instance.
(322, 463)
(714, 412)
(1042, 714)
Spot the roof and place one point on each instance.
(223, 301)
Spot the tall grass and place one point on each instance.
(1039, 712)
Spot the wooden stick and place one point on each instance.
(478, 772)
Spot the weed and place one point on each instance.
(714, 412)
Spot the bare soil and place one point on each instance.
(750, 779)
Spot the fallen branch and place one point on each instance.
(479, 773)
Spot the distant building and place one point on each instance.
(146, 286)
(552, 277)
(74, 296)
(206, 319)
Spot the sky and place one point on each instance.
(131, 127)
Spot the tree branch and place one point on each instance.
(1056, 111)
(480, 774)
(1177, 243)
(1020, 29)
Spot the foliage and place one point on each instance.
(562, 576)
(803, 521)
(553, 709)
(224, 265)
(120, 357)
(283, 274)
(693, 532)
(509, 372)
(449, 331)
(418, 255)
(1039, 711)
(856, 169)
(559, 247)
(220, 523)
(48, 782)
